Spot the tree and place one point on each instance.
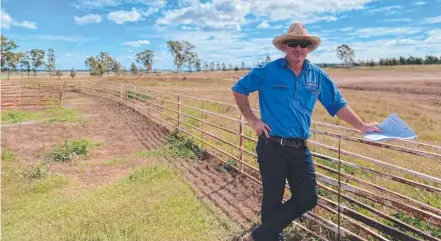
(267, 59)
(242, 67)
(218, 66)
(236, 68)
(96, 68)
(182, 52)
(50, 61)
(206, 66)
(6, 47)
(345, 53)
(230, 66)
(25, 62)
(72, 73)
(133, 69)
(212, 65)
(198, 65)
(145, 58)
(37, 57)
(59, 74)
(224, 67)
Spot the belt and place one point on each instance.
(292, 142)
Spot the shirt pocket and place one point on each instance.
(279, 93)
(309, 96)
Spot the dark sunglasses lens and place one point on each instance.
(303, 44)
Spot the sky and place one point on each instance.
(225, 31)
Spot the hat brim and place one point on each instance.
(279, 40)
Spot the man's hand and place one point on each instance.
(372, 127)
(259, 127)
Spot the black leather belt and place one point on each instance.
(292, 142)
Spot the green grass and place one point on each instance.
(70, 149)
(16, 116)
(179, 146)
(115, 162)
(7, 155)
(152, 203)
(56, 114)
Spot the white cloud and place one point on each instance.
(137, 43)
(419, 3)
(264, 24)
(70, 38)
(433, 19)
(90, 18)
(398, 20)
(346, 29)
(7, 21)
(121, 16)
(230, 14)
(384, 31)
(102, 4)
(388, 9)
(434, 37)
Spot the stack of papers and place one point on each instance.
(393, 128)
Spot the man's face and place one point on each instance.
(296, 50)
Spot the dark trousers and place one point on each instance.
(276, 164)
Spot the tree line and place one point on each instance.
(347, 55)
(33, 59)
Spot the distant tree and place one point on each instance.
(345, 53)
(372, 63)
(218, 66)
(6, 47)
(212, 65)
(418, 61)
(267, 59)
(183, 53)
(193, 57)
(96, 68)
(242, 67)
(26, 62)
(50, 62)
(37, 57)
(236, 68)
(9, 61)
(402, 61)
(59, 74)
(198, 65)
(72, 73)
(145, 58)
(230, 66)
(206, 66)
(134, 69)
(224, 67)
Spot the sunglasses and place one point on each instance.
(295, 43)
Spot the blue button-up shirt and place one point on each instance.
(287, 101)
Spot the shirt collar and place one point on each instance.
(306, 64)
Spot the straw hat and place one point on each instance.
(296, 31)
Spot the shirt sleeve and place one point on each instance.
(330, 96)
(250, 82)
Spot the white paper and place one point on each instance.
(393, 128)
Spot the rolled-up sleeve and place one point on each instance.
(250, 82)
(330, 96)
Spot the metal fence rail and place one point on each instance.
(360, 197)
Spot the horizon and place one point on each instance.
(228, 32)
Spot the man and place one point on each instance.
(288, 90)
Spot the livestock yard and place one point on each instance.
(168, 157)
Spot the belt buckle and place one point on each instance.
(281, 142)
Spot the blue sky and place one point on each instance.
(229, 31)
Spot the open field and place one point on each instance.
(413, 95)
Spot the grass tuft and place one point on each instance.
(7, 155)
(70, 149)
